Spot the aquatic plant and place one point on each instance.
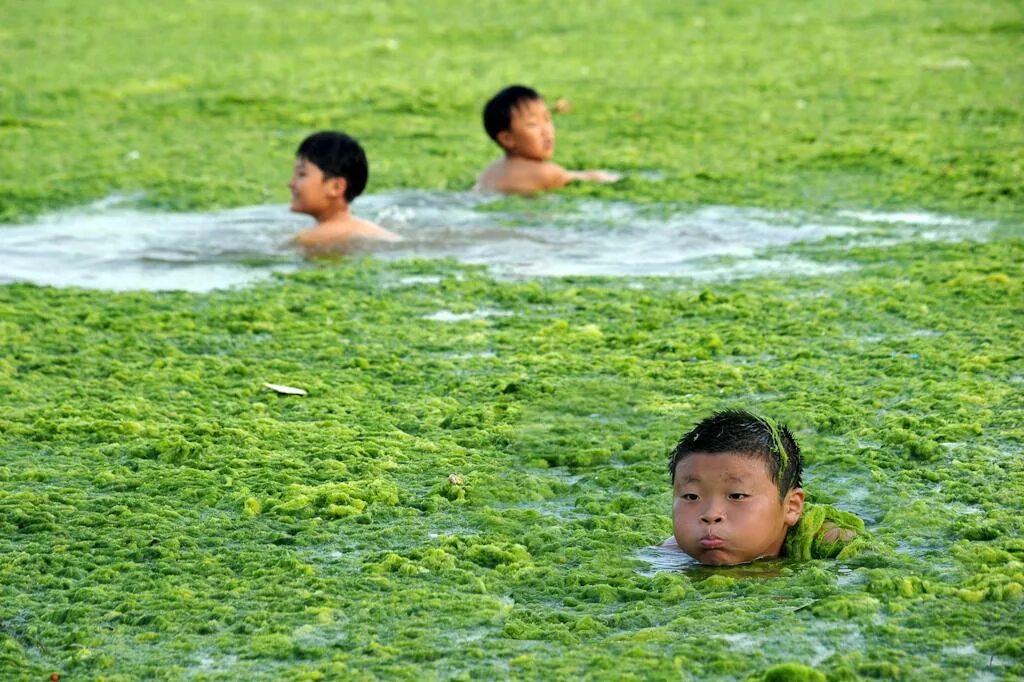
(782, 104)
(466, 498)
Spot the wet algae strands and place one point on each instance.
(164, 515)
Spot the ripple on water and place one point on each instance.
(109, 245)
(662, 558)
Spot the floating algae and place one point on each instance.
(162, 516)
(808, 539)
(162, 513)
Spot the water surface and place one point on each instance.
(111, 245)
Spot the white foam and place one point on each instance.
(109, 245)
(919, 218)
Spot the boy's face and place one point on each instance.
(311, 192)
(727, 511)
(531, 133)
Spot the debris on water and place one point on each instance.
(450, 316)
(285, 390)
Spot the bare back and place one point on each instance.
(515, 175)
(342, 236)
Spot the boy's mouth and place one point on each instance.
(712, 542)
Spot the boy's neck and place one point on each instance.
(511, 156)
(338, 213)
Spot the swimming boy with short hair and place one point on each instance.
(736, 483)
(330, 172)
(518, 119)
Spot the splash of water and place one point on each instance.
(109, 245)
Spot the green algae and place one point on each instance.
(791, 672)
(808, 539)
(882, 103)
(466, 499)
(773, 428)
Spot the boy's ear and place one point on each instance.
(336, 187)
(506, 139)
(793, 506)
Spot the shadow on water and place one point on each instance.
(109, 245)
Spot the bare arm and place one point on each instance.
(519, 176)
(555, 176)
(596, 176)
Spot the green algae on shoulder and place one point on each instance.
(824, 532)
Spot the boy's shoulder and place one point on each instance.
(824, 532)
(342, 235)
(364, 229)
(522, 176)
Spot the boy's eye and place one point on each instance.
(738, 496)
(689, 497)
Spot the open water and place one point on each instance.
(111, 245)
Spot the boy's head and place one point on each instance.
(519, 121)
(736, 488)
(328, 165)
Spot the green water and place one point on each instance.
(163, 515)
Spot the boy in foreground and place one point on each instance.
(738, 496)
(330, 172)
(519, 121)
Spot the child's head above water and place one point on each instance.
(519, 121)
(329, 167)
(330, 172)
(736, 488)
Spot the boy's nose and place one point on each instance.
(711, 516)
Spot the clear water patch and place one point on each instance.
(110, 245)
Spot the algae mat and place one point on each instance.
(782, 103)
(469, 497)
(468, 488)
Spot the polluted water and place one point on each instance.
(112, 245)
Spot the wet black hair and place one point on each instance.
(338, 156)
(740, 432)
(498, 110)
